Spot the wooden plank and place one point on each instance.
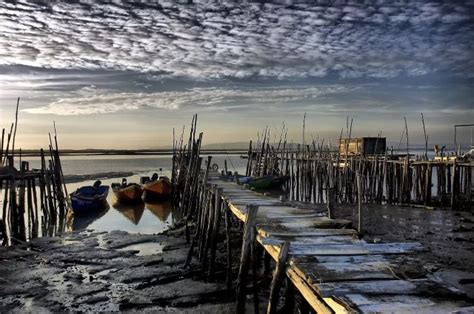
(320, 305)
(238, 212)
(251, 198)
(310, 240)
(319, 222)
(389, 287)
(403, 303)
(277, 278)
(279, 231)
(293, 216)
(334, 272)
(259, 202)
(238, 193)
(350, 259)
(316, 302)
(284, 211)
(355, 249)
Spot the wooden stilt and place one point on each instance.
(249, 234)
(277, 278)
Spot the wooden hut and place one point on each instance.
(363, 146)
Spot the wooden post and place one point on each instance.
(359, 202)
(229, 247)
(289, 305)
(215, 232)
(454, 185)
(248, 171)
(249, 232)
(277, 278)
(255, 262)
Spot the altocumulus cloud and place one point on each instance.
(97, 101)
(379, 39)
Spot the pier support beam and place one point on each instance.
(248, 237)
(277, 278)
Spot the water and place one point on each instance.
(147, 218)
(73, 165)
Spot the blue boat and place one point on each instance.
(89, 199)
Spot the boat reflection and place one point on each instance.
(132, 212)
(81, 222)
(161, 210)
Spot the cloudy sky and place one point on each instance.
(124, 73)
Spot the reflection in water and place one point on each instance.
(132, 211)
(75, 222)
(160, 210)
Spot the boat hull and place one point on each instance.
(130, 194)
(87, 200)
(157, 190)
(267, 182)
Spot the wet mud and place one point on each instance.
(115, 271)
(448, 237)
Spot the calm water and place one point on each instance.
(142, 218)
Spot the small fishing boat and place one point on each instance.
(127, 192)
(265, 182)
(158, 188)
(89, 199)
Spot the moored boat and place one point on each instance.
(265, 182)
(158, 188)
(89, 199)
(127, 192)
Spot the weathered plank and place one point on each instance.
(333, 272)
(349, 259)
(279, 231)
(318, 222)
(237, 211)
(285, 212)
(424, 287)
(355, 249)
(404, 303)
(309, 240)
(256, 201)
(315, 301)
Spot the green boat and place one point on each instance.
(267, 182)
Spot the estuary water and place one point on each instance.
(145, 218)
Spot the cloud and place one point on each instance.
(228, 39)
(101, 101)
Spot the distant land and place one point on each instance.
(209, 149)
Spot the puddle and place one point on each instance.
(144, 249)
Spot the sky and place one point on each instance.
(123, 74)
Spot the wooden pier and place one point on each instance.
(324, 261)
(327, 263)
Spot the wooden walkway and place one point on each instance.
(333, 269)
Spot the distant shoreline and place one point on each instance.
(105, 152)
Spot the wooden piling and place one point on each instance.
(278, 276)
(249, 234)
